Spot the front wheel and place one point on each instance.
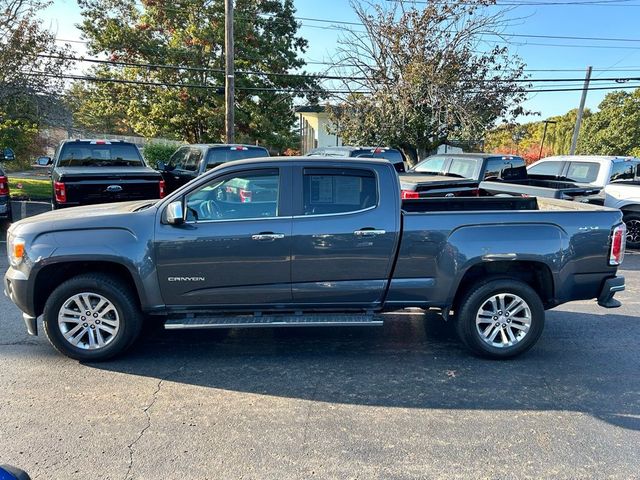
(632, 222)
(92, 317)
(500, 318)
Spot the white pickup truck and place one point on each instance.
(626, 197)
(617, 177)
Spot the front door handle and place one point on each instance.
(267, 236)
(369, 232)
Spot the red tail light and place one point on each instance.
(408, 194)
(60, 192)
(475, 192)
(618, 243)
(4, 185)
(245, 196)
(163, 191)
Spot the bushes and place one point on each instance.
(158, 152)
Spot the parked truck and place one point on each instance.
(322, 242)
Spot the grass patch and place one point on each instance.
(32, 189)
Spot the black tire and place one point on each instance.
(479, 296)
(125, 306)
(632, 221)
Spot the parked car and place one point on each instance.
(87, 172)
(392, 154)
(5, 198)
(626, 197)
(586, 170)
(191, 161)
(329, 243)
(497, 175)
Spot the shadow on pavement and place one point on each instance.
(583, 363)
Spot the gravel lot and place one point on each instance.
(401, 401)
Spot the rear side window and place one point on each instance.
(330, 191)
(217, 156)
(582, 172)
(91, 154)
(505, 169)
(623, 171)
(545, 170)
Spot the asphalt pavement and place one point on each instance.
(401, 401)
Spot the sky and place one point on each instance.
(603, 19)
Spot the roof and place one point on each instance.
(215, 145)
(337, 161)
(590, 158)
(473, 155)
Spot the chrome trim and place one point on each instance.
(369, 233)
(236, 220)
(267, 236)
(373, 207)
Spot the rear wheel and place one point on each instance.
(500, 318)
(632, 222)
(92, 317)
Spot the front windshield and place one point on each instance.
(431, 166)
(90, 154)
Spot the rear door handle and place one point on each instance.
(267, 236)
(369, 232)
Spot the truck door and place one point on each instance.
(345, 233)
(235, 245)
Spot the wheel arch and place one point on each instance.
(50, 276)
(535, 274)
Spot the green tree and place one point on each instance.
(190, 33)
(615, 128)
(418, 75)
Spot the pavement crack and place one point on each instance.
(145, 410)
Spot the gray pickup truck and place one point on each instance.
(308, 242)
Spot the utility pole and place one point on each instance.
(229, 72)
(544, 135)
(576, 131)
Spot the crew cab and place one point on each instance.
(497, 174)
(323, 242)
(87, 172)
(392, 154)
(191, 161)
(5, 198)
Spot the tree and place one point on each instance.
(615, 128)
(190, 33)
(422, 74)
(525, 139)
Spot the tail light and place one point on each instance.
(245, 196)
(60, 192)
(618, 243)
(4, 185)
(162, 189)
(408, 194)
(475, 192)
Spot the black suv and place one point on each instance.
(191, 161)
(391, 154)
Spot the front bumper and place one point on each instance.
(608, 290)
(16, 287)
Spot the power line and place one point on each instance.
(303, 75)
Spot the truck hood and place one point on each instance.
(98, 216)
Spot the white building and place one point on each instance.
(314, 128)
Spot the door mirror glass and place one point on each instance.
(43, 161)
(162, 166)
(175, 213)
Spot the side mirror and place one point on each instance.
(44, 161)
(162, 166)
(175, 213)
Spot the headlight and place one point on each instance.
(15, 250)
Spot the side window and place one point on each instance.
(236, 197)
(178, 158)
(545, 170)
(623, 171)
(433, 165)
(192, 160)
(582, 172)
(330, 191)
(462, 167)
